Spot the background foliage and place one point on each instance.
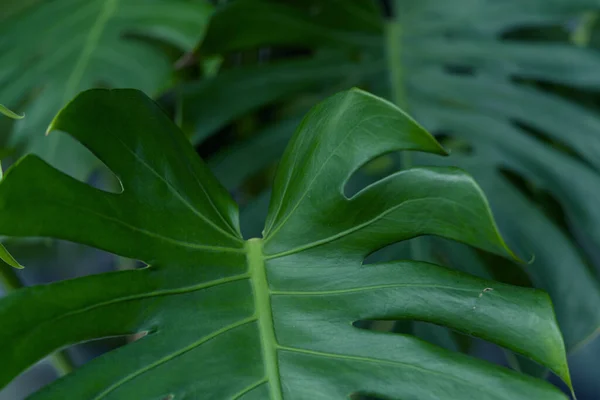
(509, 86)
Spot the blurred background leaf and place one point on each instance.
(52, 50)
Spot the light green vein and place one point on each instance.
(348, 231)
(291, 169)
(442, 375)
(108, 10)
(179, 196)
(369, 288)
(248, 389)
(156, 235)
(264, 313)
(165, 292)
(109, 7)
(321, 169)
(172, 356)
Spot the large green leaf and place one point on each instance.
(452, 65)
(348, 23)
(272, 317)
(268, 83)
(50, 51)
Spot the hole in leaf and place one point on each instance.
(488, 351)
(505, 271)
(432, 333)
(30, 381)
(103, 179)
(495, 354)
(371, 172)
(457, 342)
(48, 260)
(392, 252)
(81, 164)
(82, 353)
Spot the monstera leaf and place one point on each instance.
(459, 68)
(52, 50)
(219, 317)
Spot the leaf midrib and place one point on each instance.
(264, 316)
(179, 196)
(74, 80)
(360, 226)
(317, 174)
(106, 13)
(264, 313)
(155, 235)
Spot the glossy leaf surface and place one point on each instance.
(459, 68)
(273, 317)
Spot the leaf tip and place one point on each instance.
(54, 122)
(9, 113)
(432, 146)
(8, 258)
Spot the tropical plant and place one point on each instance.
(52, 50)
(219, 317)
(476, 73)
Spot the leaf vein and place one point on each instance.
(351, 230)
(173, 355)
(248, 389)
(317, 174)
(377, 361)
(41, 325)
(177, 194)
(368, 288)
(154, 234)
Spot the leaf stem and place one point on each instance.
(264, 313)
